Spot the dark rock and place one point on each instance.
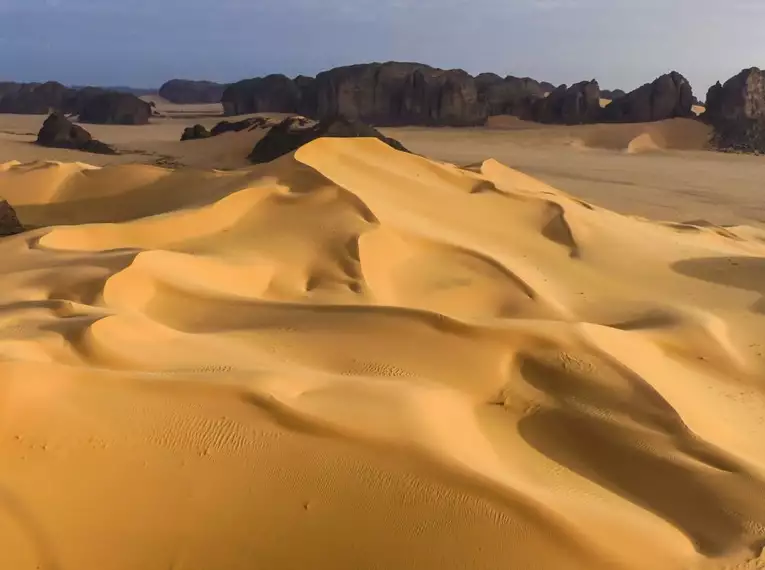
(294, 132)
(575, 105)
(271, 94)
(200, 132)
(35, 98)
(399, 94)
(547, 87)
(9, 221)
(508, 96)
(612, 94)
(115, 109)
(736, 110)
(245, 124)
(185, 92)
(59, 132)
(195, 132)
(667, 97)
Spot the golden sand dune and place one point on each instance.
(358, 358)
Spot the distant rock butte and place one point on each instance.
(113, 108)
(667, 97)
(186, 92)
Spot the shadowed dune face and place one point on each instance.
(456, 367)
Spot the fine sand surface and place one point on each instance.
(358, 358)
(657, 170)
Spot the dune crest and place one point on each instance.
(366, 358)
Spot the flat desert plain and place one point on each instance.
(523, 347)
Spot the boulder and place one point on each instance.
(186, 92)
(270, 94)
(508, 96)
(59, 132)
(575, 105)
(294, 132)
(667, 97)
(736, 110)
(195, 132)
(114, 108)
(9, 221)
(399, 94)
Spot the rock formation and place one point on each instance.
(115, 109)
(200, 132)
(399, 94)
(35, 98)
(59, 132)
(195, 132)
(612, 94)
(736, 110)
(378, 93)
(185, 92)
(294, 132)
(9, 221)
(270, 94)
(667, 97)
(508, 96)
(575, 105)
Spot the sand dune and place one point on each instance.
(358, 358)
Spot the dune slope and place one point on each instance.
(358, 358)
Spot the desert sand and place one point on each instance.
(355, 358)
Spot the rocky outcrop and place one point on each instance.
(377, 93)
(575, 105)
(508, 96)
(200, 132)
(186, 92)
(399, 94)
(667, 97)
(736, 110)
(112, 108)
(59, 132)
(195, 132)
(9, 221)
(612, 94)
(294, 132)
(270, 94)
(35, 98)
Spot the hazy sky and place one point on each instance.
(142, 43)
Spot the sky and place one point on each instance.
(143, 43)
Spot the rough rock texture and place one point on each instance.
(294, 132)
(399, 94)
(9, 221)
(378, 93)
(185, 92)
(200, 132)
(612, 94)
(35, 98)
(667, 97)
(575, 105)
(508, 96)
(195, 132)
(736, 110)
(59, 132)
(115, 109)
(270, 94)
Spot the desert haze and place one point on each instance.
(520, 346)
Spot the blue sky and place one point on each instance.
(145, 42)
